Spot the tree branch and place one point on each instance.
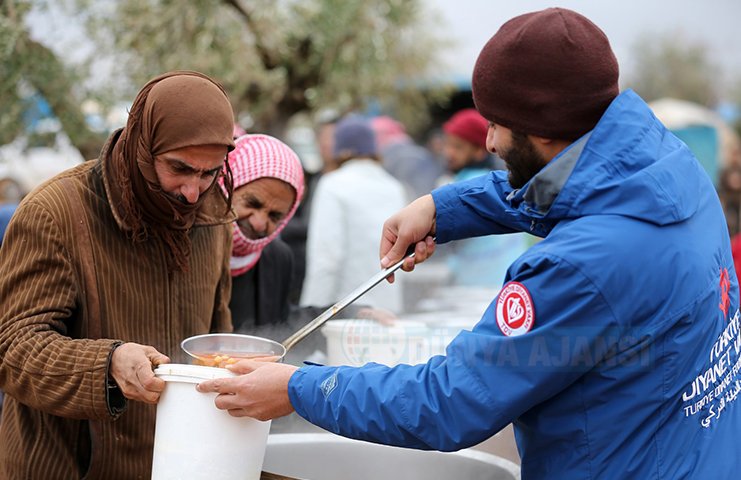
(333, 52)
(11, 9)
(47, 74)
(263, 51)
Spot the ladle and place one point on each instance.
(227, 343)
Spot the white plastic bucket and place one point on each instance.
(443, 327)
(356, 342)
(195, 440)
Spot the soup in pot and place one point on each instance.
(222, 359)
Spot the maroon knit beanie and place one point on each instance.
(469, 125)
(550, 73)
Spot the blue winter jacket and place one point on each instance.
(614, 348)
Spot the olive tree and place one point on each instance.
(28, 66)
(278, 58)
(671, 65)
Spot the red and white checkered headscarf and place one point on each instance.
(254, 157)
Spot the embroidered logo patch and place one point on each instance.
(329, 384)
(515, 312)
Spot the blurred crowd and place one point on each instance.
(370, 168)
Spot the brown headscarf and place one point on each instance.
(174, 110)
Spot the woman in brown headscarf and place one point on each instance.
(104, 267)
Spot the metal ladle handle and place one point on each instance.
(347, 300)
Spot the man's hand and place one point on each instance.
(131, 368)
(261, 391)
(413, 224)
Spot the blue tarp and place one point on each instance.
(704, 143)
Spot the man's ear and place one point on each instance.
(548, 147)
(541, 140)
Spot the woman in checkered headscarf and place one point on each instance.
(268, 187)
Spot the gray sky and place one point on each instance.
(715, 23)
(470, 23)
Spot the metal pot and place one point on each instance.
(325, 456)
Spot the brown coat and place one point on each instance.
(60, 272)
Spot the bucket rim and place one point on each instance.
(187, 373)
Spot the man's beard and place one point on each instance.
(522, 159)
(179, 197)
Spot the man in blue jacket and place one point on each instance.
(613, 346)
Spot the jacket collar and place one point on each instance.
(628, 165)
(542, 190)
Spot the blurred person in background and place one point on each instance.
(482, 261)
(268, 188)
(296, 231)
(349, 207)
(464, 146)
(325, 141)
(435, 144)
(104, 267)
(413, 165)
(730, 196)
(613, 347)
(729, 191)
(6, 212)
(10, 191)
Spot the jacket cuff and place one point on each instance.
(296, 389)
(309, 388)
(114, 397)
(447, 200)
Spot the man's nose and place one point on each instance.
(191, 190)
(259, 222)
